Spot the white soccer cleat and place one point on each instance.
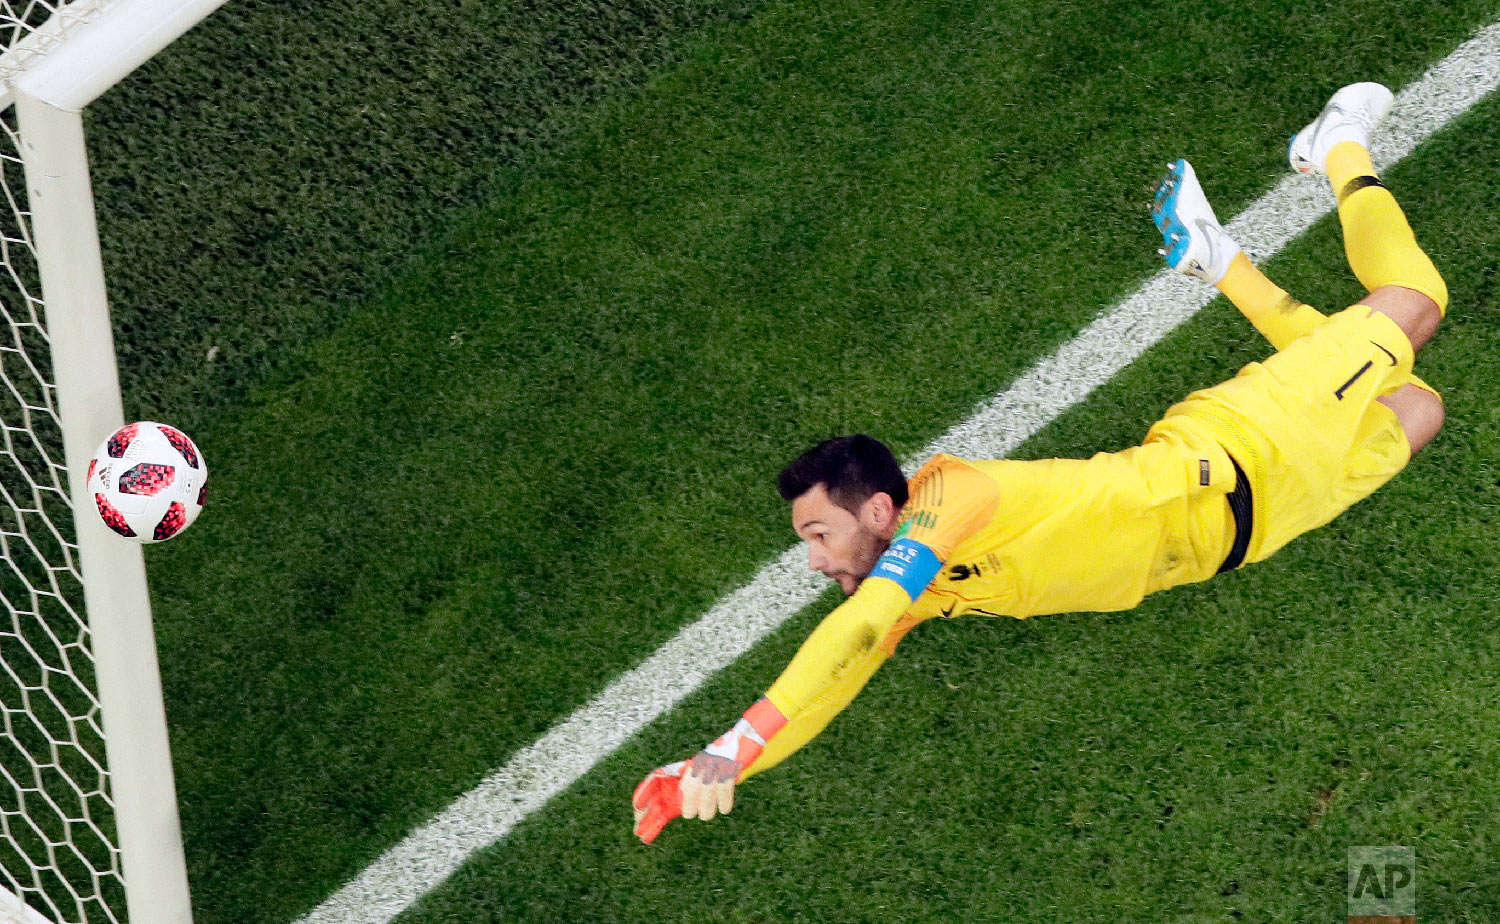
(1351, 115)
(1193, 241)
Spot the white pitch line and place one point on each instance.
(736, 623)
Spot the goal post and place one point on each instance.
(114, 572)
(120, 37)
(91, 814)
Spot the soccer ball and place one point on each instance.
(148, 481)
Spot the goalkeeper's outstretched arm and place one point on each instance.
(830, 669)
(816, 715)
(948, 501)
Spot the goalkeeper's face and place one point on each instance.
(841, 544)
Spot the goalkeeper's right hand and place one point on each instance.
(658, 799)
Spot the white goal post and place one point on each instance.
(89, 829)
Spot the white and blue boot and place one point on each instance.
(1351, 115)
(1193, 241)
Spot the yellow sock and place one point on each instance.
(1279, 317)
(1378, 240)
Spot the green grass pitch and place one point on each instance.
(511, 345)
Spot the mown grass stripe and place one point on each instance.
(736, 623)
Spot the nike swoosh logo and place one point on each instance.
(1213, 244)
(1388, 353)
(950, 609)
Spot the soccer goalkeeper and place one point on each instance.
(1228, 476)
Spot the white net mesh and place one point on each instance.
(58, 850)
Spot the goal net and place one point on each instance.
(59, 851)
(88, 823)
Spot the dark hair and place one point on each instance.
(852, 469)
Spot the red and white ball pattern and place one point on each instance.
(148, 481)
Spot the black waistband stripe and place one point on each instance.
(1242, 507)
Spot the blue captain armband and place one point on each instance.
(910, 564)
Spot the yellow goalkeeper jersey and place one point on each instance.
(1003, 538)
(1064, 535)
(1014, 538)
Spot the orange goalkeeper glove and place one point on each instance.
(658, 800)
(703, 786)
(699, 787)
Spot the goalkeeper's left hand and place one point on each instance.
(698, 788)
(704, 786)
(708, 788)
